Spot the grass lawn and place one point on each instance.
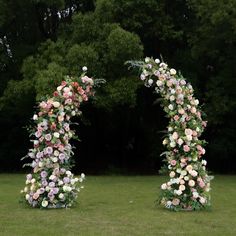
(117, 205)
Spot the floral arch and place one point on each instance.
(189, 184)
(51, 183)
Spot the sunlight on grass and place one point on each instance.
(117, 205)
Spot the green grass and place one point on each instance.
(117, 205)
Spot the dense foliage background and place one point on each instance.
(121, 131)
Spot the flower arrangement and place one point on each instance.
(51, 183)
(189, 184)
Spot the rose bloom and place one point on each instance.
(169, 83)
(180, 141)
(201, 184)
(193, 173)
(172, 174)
(182, 181)
(181, 111)
(193, 110)
(35, 196)
(176, 117)
(172, 144)
(56, 135)
(175, 135)
(189, 137)
(175, 201)
(186, 148)
(188, 132)
(48, 137)
(181, 187)
(178, 192)
(191, 183)
(172, 71)
(189, 168)
(44, 203)
(195, 194)
(163, 186)
(159, 83)
(173, 162)
(202, 200)
(194, 133)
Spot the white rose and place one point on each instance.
(172, 71)
(60, 182)
(82, 175)
(159, 83)
(147, 59)
(170, 129)
(150, 82)
(195, 194)
(56, 134)
(84, 68)
(172, 98)
(54, 159)
(189, 137)
(163, 186)
(183, 172)
(40, 164)
(27, 196)
(44, 203)
(172, 144)
(52, 177)
(61, 196)
(179, 192)
(204, 162)
(186, 178)
(196, 102)
(56, 153)
(172, 174)
(59, 88)
(181, 187)
(165, 141)
(157, 61)
(191, 183)
(33, 180)
(47, 188)
(180, 141)
(164, 65)
(68, 173)
(35, 117)
(56, 104)
(171, 107)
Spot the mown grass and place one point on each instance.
(117, 205)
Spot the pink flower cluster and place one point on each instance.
(51, 183)
(189, 183)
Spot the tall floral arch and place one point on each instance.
(51, 183)
(189, 184)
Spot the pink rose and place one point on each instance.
(186, 148)
(176, 117)
(173, 162)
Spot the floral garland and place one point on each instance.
(51, 183)
(189, 184)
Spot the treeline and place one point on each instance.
(121, 129)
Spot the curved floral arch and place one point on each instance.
(51, 183)
(189, 183)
